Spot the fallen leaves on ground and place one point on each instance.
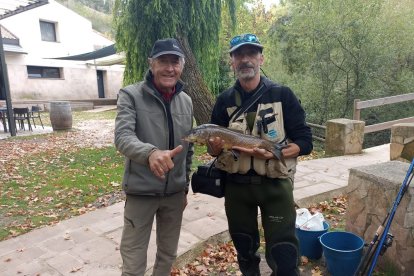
(89, 134)
(333, 210)
(45, 151)
(221, 259)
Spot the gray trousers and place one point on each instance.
(139, 215)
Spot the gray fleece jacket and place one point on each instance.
(144, 122)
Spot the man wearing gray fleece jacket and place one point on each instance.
(153, 116)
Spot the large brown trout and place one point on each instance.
(201, 134)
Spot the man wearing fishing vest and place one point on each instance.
(256, 179)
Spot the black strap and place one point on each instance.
(247, 104)
(210, 168)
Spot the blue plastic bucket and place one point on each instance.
(342, 251)
(309, 242)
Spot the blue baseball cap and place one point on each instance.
(244, 39)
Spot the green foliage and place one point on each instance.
(97, 11)
(338, 51)
(99, 5)
(199, 153)
(225, 79)
(139, 23)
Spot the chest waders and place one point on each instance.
(274, 197)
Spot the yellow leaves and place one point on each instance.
(81, 210)
(14, 233)
(47, 199)
(115, 184)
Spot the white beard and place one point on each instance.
(246, 75)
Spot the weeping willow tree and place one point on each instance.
(195, 24)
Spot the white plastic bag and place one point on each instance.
(302, 216)
(306, 221)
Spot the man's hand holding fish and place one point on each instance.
(215, 146)
(256, 152)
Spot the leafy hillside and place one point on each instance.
(99, 12)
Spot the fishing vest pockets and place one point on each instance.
(276, 169)
(227, 162)
(259, 166)
(244, 163)
(269, 122)
(240, 125)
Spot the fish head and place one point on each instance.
(199, 134)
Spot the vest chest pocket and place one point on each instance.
(269, 122)
(239, 125)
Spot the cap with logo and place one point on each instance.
(244, 39)
(168, 46)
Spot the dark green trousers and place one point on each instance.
(274, 197)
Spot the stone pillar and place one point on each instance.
(402, 142)
(372, 191)
(344, 136)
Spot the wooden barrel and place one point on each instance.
(60, 115)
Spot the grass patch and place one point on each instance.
(200, 156)
(79, 116)
(49, 188)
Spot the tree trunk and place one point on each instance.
(195, 86)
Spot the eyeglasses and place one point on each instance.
(244, 38)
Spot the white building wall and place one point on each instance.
(77, 82)
(112, 79)
(74, 32)
(74, 36)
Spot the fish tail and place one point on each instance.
(277, 153)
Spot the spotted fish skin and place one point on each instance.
(202, 133)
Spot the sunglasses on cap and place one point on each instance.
(243, 39)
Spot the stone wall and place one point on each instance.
(372, 191)
(344, 136)
(402, 142)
